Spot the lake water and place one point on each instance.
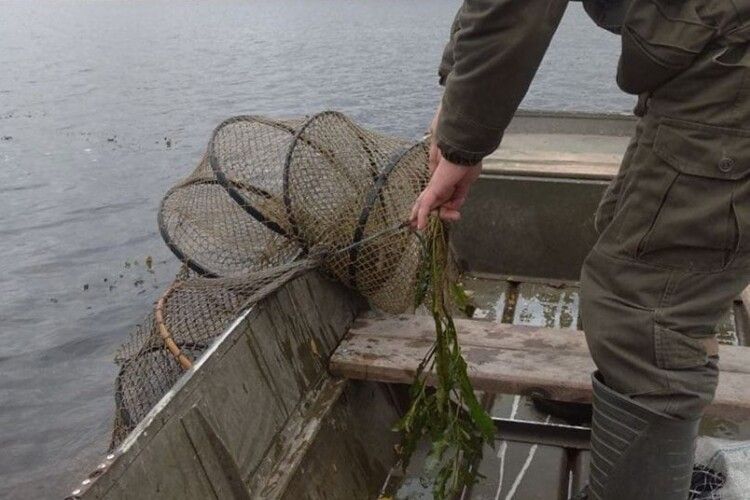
(104, 104)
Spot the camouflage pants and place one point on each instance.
(673, 252)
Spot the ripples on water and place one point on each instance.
(103, 105)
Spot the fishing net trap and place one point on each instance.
(269, 200)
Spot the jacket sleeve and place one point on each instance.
(662, 38)
(496, 53)
(446, 63)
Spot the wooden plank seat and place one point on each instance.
(505, 358)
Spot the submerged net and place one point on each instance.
(271, 199)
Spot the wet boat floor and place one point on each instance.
(516, 470)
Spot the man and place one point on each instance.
(674, 225)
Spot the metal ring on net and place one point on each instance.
(227, 140)
(290, 186)
(170, 241)
(323, 182)
(238, 181)
(374, 196)
(325, 153)
(207, 229)
(338, 198)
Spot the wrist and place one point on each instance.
(458, 157)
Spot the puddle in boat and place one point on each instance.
(545, 306)
(726, 330)
(726, 428)
(530, 303)
(489, 297)
(548, 305)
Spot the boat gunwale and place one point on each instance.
(115, 457)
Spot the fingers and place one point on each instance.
(450, 211)
(447, 190)
(420, 212)
(448, 214)
(461, 191)
(415, 211)
(420, 215)
(459, 196)
(423, 211)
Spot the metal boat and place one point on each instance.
(297, 399)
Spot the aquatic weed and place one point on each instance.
(449, 415)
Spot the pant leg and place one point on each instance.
(646, 330)
(608, 204)
(663, 271)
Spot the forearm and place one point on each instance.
(496, 53)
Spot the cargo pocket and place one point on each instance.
(675, 351)
(699, 170)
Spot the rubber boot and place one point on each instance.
(637, 453)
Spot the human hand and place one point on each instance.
(446, 191)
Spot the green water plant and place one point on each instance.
(444, 408)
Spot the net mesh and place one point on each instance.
(706, 484)
(722, 469)
(269, 200)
